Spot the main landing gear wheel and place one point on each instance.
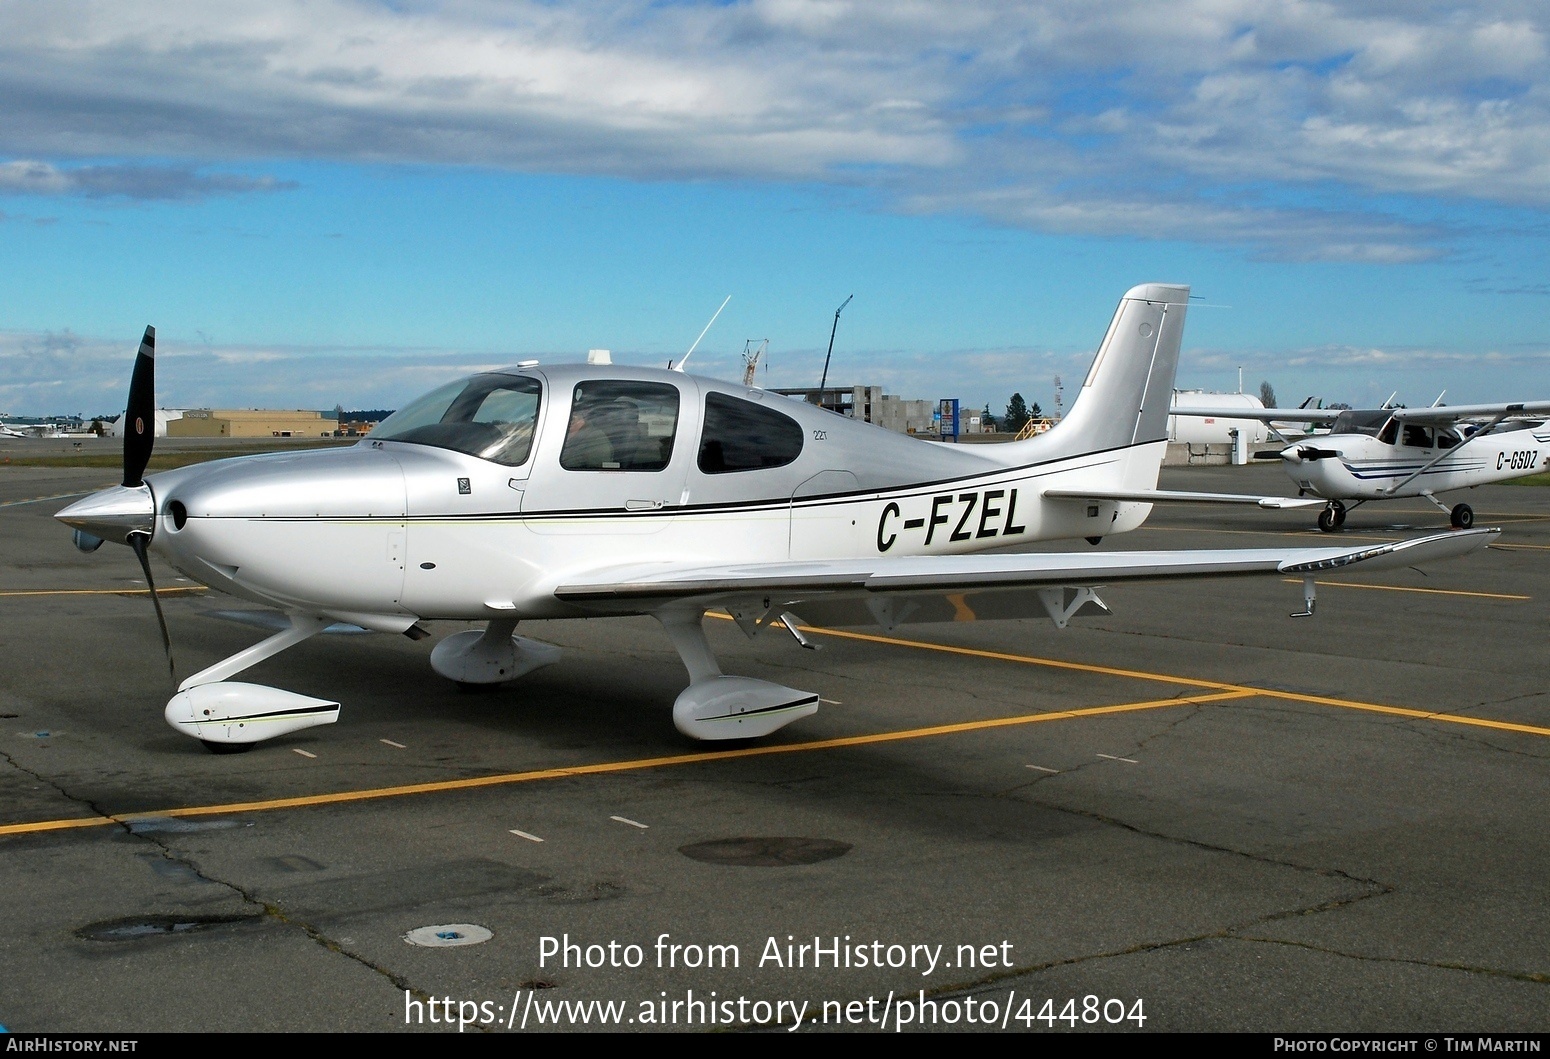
(1462, 516)
(1330, 519)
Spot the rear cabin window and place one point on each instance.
(620, 426)
(742, 436)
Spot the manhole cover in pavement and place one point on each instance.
(765, 852)
(449, 934)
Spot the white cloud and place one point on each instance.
(1095, 116)
(30, 177)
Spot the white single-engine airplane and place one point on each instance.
(1390, 453)
(579, 491)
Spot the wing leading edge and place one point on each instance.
(922, 588)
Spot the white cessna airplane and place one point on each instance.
(1390, 453)
(577, 491)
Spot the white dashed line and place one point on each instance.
(632, 823)
(1126, 760)
(1041, 768)
(831, 702)
(390, 742)
(303, 753)
(524, 834)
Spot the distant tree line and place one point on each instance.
(1015, 418)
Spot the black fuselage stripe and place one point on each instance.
(902, 491)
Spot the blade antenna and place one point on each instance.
(825, 380)
(680, 365)
(137, 541)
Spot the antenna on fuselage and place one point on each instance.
(825, 380)
(1439, 398)
(1390, 400)
(680, 365)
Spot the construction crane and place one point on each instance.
(751, 360)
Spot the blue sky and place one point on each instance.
(349, 202)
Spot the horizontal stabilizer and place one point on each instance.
(1263, 415)
(1165, 496)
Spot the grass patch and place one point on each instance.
(1542, 478)
(165, 461)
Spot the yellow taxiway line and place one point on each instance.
(609, 767)
(1164, 678)
(103, 591)
(1219, 692)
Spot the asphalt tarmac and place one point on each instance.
(1197, 813)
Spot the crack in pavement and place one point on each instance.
(1226, 933)
(269, 908)
(1442, 965)
(1168, 725)
(125, 823)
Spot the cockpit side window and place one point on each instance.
(1389, 435)
(1418, 437)
(741, 436)
(490, 416)
(620, 426)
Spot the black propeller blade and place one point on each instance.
(139, 439)
(1308, 452)
(140, 414)
(138, 542)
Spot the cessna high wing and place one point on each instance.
(577, 491)
(1390, 453)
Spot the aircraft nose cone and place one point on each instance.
(113, 513)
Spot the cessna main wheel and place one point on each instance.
(1463, 516)
(1330, 519)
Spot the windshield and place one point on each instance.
(1361, 421)
(489, 416)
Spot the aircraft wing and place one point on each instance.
(1447, 415)
(891, 591)
(1166, 496)
(1264, 415)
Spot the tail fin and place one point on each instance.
(1124, 400)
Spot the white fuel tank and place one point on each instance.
(1216, 430)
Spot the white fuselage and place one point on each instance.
(1363, 467)
(385, 533)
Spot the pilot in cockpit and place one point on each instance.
(587, 444)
